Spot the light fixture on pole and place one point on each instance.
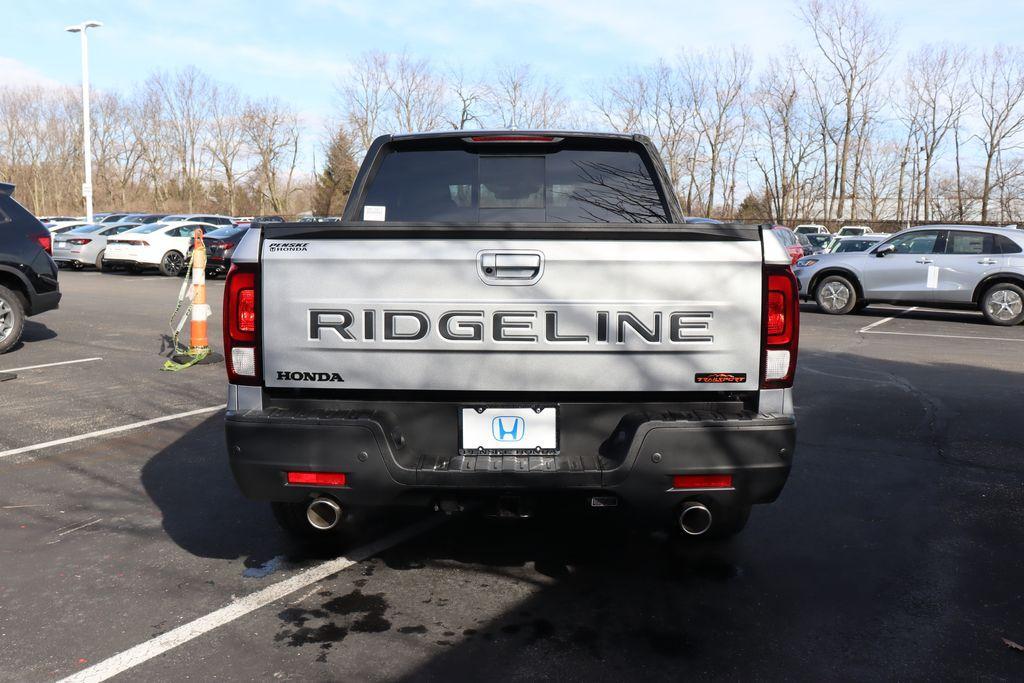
(86, 126)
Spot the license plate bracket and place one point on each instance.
(508, 430)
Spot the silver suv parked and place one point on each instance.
(954, 266)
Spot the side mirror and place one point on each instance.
(883, 251)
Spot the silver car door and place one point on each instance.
(908, 273)
(969, 257)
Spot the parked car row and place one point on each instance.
(949, 266)
(140, 241)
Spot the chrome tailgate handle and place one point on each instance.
(510, 267)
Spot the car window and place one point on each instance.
(784, 237)
(920, 242)
(87, 229)
(970, 243)
(476, 185)
(224, 233)
(1004, 245)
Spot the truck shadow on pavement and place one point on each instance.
(860, 568)
(33, 332)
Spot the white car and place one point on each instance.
(854, 230)
(86, 246)
(155, 245)
(811, 229)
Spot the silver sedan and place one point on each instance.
(85, 245)
(956, 266)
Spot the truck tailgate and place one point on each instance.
(529, 315)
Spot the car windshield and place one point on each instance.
(224, 233)
(842, 246)
(819, 240)
(493, 184)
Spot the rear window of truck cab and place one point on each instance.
(455, 182)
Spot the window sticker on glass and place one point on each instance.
(373, 213)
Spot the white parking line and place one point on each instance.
(946, 336)
(884, 320)
(105, 432)
(50, 365)
(239, 607)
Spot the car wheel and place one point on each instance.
(1003, 304)
(99, 261)
(12, 319)
(835, 295)
(172, 263)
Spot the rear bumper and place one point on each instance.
(755, 449)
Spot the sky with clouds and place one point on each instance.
(298, 49)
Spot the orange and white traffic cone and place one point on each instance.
(199, 342)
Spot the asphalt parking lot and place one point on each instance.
(894, 552)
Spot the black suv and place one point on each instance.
(28, 276)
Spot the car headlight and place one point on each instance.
(804, 262)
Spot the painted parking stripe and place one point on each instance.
(50, 365)
(884, 320)
(945, 336)
(239, 607)
(107, 432)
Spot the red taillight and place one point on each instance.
(46, 243)
(241, 326)
(79, 242)
(781, 327)
(513, 138)
(702, 481)
(247, 310)
(317, 478)
(134, 243)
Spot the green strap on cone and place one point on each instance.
(182, 357)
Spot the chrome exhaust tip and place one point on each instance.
(323, 514)
(694, 518)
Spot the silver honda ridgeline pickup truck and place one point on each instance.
(510, 320)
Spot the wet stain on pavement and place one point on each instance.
(353, 612)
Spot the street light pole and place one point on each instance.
(86, 126)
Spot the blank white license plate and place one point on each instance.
(509, 430)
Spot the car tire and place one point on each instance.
(291, 517)
(172, 263)
(100, 265)
(835, 295)
(1003, 304)
(12, 319)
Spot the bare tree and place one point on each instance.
(934, 85)
(855, 44)
(364, 97)
(998, 84)
(186, 101)
(717, 85)
(225, 140)
(272, 132)
(416, 95)
(520, 99)
(784, 126)
(466, 98)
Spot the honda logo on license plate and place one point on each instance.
(508, 428)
